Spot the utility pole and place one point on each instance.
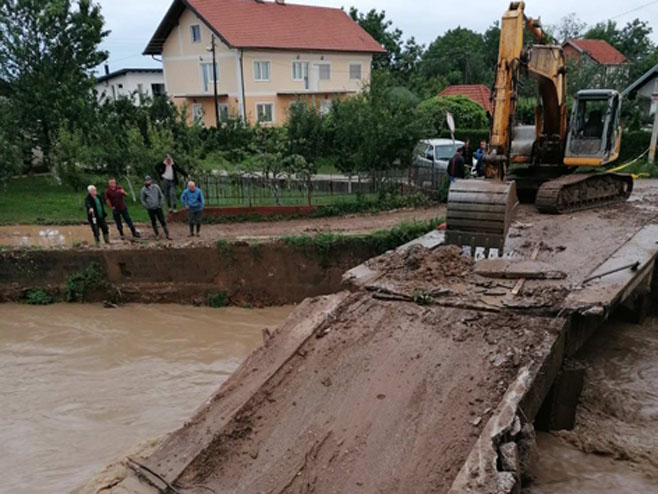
(214, 79)
(654, 134)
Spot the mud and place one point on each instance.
(81, 236)
(82, 385)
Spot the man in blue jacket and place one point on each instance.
(193, 202)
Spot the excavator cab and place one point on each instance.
(595, 135)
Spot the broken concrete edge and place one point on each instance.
(480, 473)
(362, 275)
(508, 438)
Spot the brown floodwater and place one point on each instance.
(81, 385)
(614, 447)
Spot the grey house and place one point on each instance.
(645, 86)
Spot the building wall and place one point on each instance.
(182, 59)
(126, 85)
(651, 87)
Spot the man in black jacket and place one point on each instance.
(169, 172)
(96, 215)
(456, 165)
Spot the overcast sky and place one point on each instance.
(133, 22)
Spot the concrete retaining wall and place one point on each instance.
(260, 274)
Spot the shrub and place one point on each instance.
(79, 285)
(218, 300)
(633, 143)
(467, 113)
(37, 296)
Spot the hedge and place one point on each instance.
(633, 143)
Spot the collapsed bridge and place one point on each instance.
(425, 375)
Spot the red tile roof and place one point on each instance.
(601, 51)
(477, 92)
(252, 24)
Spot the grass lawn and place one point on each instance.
(326, 166)
(40, 200)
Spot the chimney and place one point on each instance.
(107, 69)
(280, 2)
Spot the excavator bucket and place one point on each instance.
(480, 213)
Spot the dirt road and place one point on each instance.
(69, 236)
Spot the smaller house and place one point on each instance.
(479, 93)
(134, 84)
(599, 52)
(645, 86)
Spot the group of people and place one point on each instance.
(463, 155)
(152, 198)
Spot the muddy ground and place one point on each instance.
(68, 236)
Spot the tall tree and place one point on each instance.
(569, 27)
(48, 49)
(401, 57)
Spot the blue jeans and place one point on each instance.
(117, 215)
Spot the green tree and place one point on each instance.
(460, 56)
(48, 49)
(467, 113)
(11, 144)
(402, 57)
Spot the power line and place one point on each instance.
(633, 10)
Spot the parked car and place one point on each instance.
(431, 158)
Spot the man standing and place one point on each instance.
(192, 199)
(480, 154)
(169, 172)
(114, 195)
(96, 215)
(456, 165)
(151, 197)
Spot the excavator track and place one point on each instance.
(583, 191)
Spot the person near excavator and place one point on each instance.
(96, 215)
(480, 154)
(456, 165)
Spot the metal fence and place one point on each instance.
(256, 190)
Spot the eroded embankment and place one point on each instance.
(357, 393)
(259, 274)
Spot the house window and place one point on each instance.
(196, 33)
(208, 76)
(158, 89)
(325, 106)
(355, 71)
(197, 113)
(325, 71)
(265, 112)
(223, 112)
(300, 73)
(262, 71)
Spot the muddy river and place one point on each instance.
(614, 448)
(81, 385)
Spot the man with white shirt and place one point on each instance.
(169, 171)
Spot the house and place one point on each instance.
(599, 52)
(479, 93)
(646, 86)
(267, 54)
(130, 83)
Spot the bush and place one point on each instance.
(37, 296)
(79, 285)
(467, 113)
(218, 300)
(633, 144)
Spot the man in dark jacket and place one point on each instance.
(96, 215)
(456, 165)
(169, 172)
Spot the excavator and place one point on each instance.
(538, 162)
